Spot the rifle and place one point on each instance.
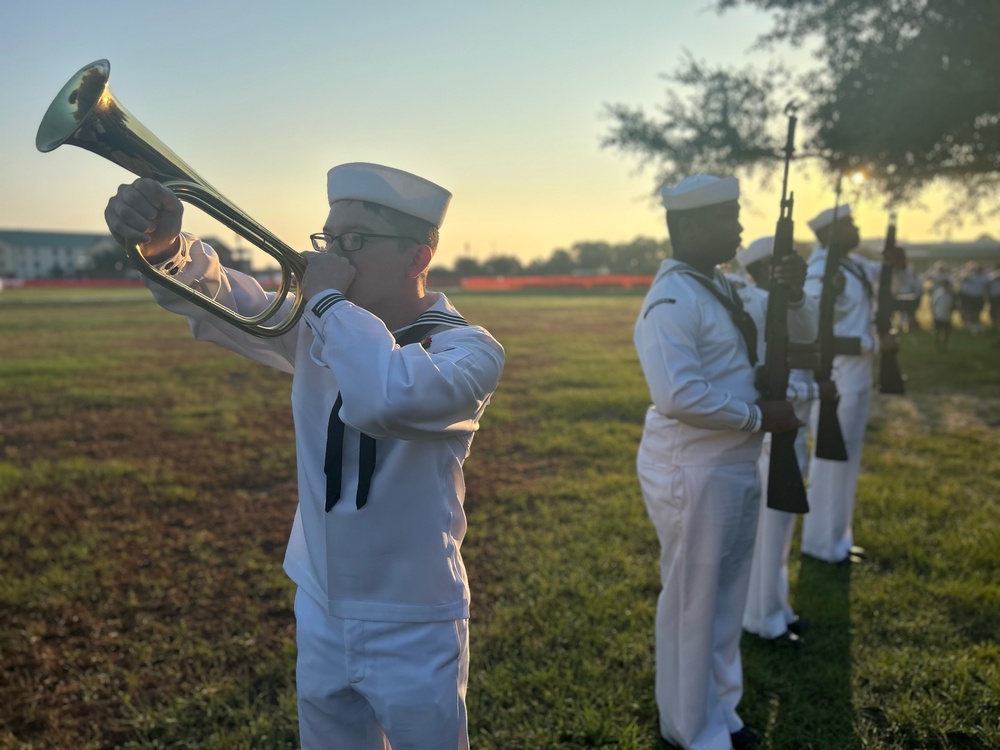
(785, 488)
(889, 377)
(829, 437)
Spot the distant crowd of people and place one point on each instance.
(968, 291)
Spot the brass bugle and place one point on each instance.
(86, 114)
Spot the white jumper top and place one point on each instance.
(397, 558)
(803, 328)
(974, 284)
(854, 316)
(700, 378)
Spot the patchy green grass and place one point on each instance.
(147, 489)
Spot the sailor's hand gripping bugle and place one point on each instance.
(150, 215)
(146, 213)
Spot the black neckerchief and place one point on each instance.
(852, 268)
(333, 464)
(728, 299)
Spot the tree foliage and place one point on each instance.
(904, 89)
(719, 127)
(640, 256)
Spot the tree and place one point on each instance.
(592, 257)
(641, 256)
(468, 267)
(108, 264)
(502, 265)
(904, 89)
(560, 262)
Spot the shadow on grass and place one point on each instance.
(801, 697)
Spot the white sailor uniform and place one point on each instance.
(383, 596)
(942, 297)
(827, 532)
(697, 466)
(993, 295)
(768, 611)
(973, 287)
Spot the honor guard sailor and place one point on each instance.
(697, 462)
(769, 613)
(389, 385)
(827, 530)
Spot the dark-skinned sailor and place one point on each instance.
(697, 462)
(827, 529)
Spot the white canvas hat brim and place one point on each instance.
(698, 191)
(826, 218)
(390, 187)
(755, 251)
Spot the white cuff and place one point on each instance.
(174, 265)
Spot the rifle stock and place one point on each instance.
(890, 377)
(785, 488)
(829, 437)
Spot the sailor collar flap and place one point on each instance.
(726, 296)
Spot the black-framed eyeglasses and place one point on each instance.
(350, 242)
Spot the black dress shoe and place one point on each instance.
(798, 625)
(850, 560)
(745, 739)
(788, 638)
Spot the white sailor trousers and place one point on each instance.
(706, 519)
(827, 530)
(768, 611)
(366, 685)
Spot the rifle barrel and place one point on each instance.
(785, 488)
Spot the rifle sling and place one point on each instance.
(806, 356)
(852, 268)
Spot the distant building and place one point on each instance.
(50, 255)
(27, 255)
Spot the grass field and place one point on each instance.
(147, 490)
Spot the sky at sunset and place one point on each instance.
(500, 102)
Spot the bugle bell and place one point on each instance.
(86, 114)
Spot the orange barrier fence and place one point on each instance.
(515, 283)
(67, 283)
